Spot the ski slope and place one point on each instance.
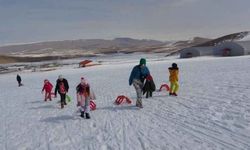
(212, 110)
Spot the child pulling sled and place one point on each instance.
(84, 95)
(62, 88)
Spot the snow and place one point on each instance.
(212, 110)
(246, 38)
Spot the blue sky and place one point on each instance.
(24, 21)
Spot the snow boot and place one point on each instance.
(87, 116)
(82, 114)
(170, 93)
(62, 106)
(174, 94)
(139, 103)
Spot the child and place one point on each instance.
(62, 88)
(173, 78)
(47, 87)
(84, 96)
(149, 86)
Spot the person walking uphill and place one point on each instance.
(137, 77)
(62, 87)
(19, 80)
(84, 95)
(173, 78)
(47, 86)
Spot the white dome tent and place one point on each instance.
(236, 44)
(234, 48)
(196, 51)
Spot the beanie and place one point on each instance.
(143, 61)
(60, 77)
(83, 81)
(174, 65)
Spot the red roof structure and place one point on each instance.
(84, 63)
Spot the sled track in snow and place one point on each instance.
(207, 130)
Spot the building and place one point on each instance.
(196, 51)
(234, 48)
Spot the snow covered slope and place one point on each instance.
(212, 110)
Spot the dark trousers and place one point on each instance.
(19, 83)
(63, 97)
(149, 94)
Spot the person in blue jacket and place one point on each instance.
(137, 77)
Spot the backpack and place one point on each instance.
(62, 88)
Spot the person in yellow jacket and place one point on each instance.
(173, 79)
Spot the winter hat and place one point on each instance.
(174, 65)
(143, 61)
(46, 80)
(60, 77)
(83, 80)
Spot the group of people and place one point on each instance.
(84, 94)
(141, 72)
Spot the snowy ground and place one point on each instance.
(212, 110)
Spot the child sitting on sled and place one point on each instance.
(84, 95)
(149, 86)
(47, 87)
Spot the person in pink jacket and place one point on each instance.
(47, 87)
(84, 95)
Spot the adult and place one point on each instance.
(137, 77)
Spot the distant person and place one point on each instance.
(47, 86)
(137, 77)
(149, 86)
(19, 80)
(84, 95)
(62, 88)
(173, 79)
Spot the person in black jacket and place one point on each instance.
(149, 86)
(19, 80)
(62, 87)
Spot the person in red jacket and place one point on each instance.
(48, 88)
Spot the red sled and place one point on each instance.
(92, 105)
(122, 99)
(164, 86)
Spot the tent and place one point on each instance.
(237, 48)
(196, 51)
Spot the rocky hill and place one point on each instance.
(77, 47)
(91, 47)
